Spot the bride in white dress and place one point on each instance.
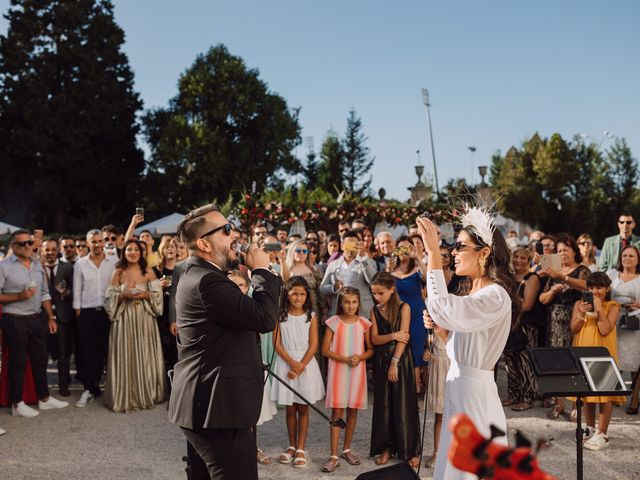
(478, 324)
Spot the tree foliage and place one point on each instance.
(222, 132)
(357, 160)
(67, 116)
(572, 186)
(331, 169)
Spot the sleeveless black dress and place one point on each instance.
(396, 423)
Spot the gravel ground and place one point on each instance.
(95, 443)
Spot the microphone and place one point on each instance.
(242, 248)
(428, 343)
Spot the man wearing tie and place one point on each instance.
(218, 380)
(60, 280)
(613, 245)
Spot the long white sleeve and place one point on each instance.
(480, 311)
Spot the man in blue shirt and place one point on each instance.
(24, 294)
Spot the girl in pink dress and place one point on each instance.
(347, 345)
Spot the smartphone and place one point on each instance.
(272, 247)
(587, 297)
(140, 211)
(539, 248)
(552, 260)
(38, 234)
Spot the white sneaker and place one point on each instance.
(597, 442)
(2, 432)
(51, 404)
(24, 410)
(588, 433)
(85, 398)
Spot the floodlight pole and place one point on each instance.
(427, 104)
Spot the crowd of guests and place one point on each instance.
(352, 298)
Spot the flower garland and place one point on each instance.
(325, 214)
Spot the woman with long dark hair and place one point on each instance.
(478, 322)
(135, 366)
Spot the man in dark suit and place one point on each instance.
(60, 280)
(218, 380)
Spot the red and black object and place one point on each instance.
(471, 452)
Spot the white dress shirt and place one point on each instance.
(90, 282)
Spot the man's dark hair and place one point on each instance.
(191, 227)
(146, 231)
(18, 232)
(548, 237)
(344, 222)
(282, 229)
(110, 228)
(359, 220)
(627, 214)
(66, 237)
(350, 234)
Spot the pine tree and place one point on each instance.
(311, 170)
(357, 161)
(67, 116)
(331, 170)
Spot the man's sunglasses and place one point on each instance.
(24, 244)
(461, 247)
(113, 238)
(227, 228)
(625, 222)
(302, 250)
(67, 247)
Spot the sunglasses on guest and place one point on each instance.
(625, 222)
(302, 250)
(24, 244)
(113, 238)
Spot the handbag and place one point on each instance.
(629, 322)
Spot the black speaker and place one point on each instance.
(399, 471)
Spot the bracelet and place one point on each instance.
(397, 359)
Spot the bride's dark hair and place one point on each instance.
(498, 270)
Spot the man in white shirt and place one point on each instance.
(91, 277)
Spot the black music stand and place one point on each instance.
(560, 373)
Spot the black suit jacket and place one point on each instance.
(64, 307)
(218, 380)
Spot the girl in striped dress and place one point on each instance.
(347, 345)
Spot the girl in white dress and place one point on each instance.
(296, 342)
(478, 324)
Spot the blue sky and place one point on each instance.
(497, 71)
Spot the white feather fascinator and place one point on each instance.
(481, 219)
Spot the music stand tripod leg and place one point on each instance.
(579, 433)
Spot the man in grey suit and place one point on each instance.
(614, 245)
(218, 380)
(60, 280)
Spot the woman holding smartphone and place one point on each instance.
(561, 292)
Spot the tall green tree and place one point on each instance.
(357, 159)
(222, 132)
(311, 170)
(331, 170)
(67, 116)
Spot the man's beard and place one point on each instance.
(225, 261)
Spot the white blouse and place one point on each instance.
(479, 323)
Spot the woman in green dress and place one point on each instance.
(135, 366)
